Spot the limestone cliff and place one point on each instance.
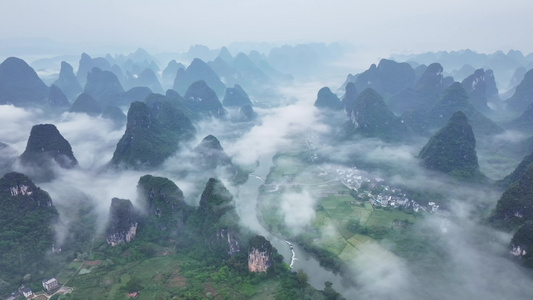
(123, 222)
(260, 254)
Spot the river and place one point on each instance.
(295, 256)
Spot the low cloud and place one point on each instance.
(298, 210)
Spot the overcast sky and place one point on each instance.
(173, 25)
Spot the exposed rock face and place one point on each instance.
(123, 222)
(198, 70)
(523, 95)
(20, 85)
(233, 242)
(85, 103)
(481, 88)
(102, 83)
(201, 98)
(259, 254)
(19, 198)
(236, 96)
(68, 82)
(522, 244)
(328, 100)
(371, 117)
(154, 131)
(45, 145)
(452, 150)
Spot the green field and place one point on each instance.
(335, 207)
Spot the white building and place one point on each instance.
(50, 284)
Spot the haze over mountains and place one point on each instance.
(153, 154)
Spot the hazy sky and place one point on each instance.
(174, 25)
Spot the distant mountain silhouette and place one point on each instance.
(85, 103)
(202, 99)
(523, 95)
(423, 95)
(20, 85)
(236, 96)
(453, 99)
(327, 99)
(481, 89)
(198, 70)
(370, 117)
(68, 82)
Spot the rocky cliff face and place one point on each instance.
(230, 237)
(123, 222)
(521, 244)
(259, 254)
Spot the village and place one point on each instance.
(50, 287)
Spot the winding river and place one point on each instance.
(293, 254)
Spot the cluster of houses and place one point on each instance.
(376, 191)
(49, 285)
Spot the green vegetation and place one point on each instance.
(515, 206)
(153, 133)
(46, 143)
(371, 117)
(26, 220)
(342, 227)
(194, 259)
(452, 150)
